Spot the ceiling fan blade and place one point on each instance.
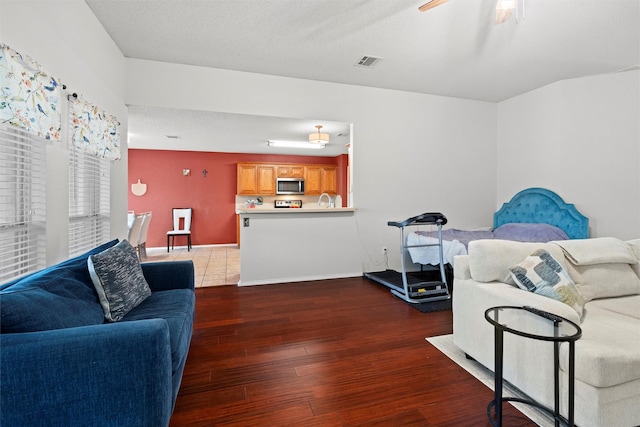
(431, 4)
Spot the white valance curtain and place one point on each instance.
(30, 99)
(93, 130)
(29, 96)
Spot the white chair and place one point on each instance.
(142, 241)
(134, 230)
(131, 215)
(181, 226)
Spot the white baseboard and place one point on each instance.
(298, 279)
(226, 245)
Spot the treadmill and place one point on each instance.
(411, 287)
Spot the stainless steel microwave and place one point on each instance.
(289, 186)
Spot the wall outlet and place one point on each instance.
(384, 250)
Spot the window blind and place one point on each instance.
(89, 201)
(22, 203)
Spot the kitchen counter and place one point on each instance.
(292, 210)
(280, 245)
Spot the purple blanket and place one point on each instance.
(523, 232)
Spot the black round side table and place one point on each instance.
(525, 322)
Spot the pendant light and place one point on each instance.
(319, 138)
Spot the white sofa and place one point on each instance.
(607, 384)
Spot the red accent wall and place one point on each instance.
(212, 197)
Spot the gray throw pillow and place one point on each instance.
(117, 276)
(542, 274)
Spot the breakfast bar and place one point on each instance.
(296, 245)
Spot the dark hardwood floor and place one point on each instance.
(341, 352)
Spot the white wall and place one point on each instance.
(412, 153)
(581, 139)
(67, 40)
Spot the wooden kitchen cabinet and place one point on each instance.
(259, 179)
(256, 179)
(247, 179)
(266, 180)
(290, 171)
(320, 179)
(312, 180)
(330, 180)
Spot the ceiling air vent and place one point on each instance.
(172, 136)
(367, 61)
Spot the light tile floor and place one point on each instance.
(214, 265)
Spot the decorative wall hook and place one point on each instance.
(204, 173)
(138, 189)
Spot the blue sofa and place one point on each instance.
(61, 364)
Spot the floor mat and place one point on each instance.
(427, 307)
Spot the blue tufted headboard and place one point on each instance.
(538, 205)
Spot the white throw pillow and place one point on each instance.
(600, 250)
(635, 247)
(604, 280)
(490, 260)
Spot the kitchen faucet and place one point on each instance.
(331, 202)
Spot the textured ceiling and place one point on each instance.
(452, 50)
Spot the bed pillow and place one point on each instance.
(542, 274)
(527, 232)
(117, 276)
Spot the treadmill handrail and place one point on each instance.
(425, 218)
